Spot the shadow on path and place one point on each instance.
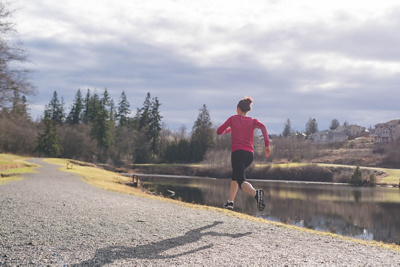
(154, 250)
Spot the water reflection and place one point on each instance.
(364, 213)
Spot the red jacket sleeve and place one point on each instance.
(264, 131)
(223, 129)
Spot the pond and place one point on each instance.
(369, 213)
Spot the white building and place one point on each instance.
(326, 137)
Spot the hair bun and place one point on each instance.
(245, 104)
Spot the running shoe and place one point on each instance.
(228, 205)
(260, 199)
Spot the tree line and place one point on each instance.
(116, 137)
(98, 130)
(95, 127)
(311, 127)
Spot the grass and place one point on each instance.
(168, 165)
(98, 177)
(393, 178)
(282, 165)
(15, 166)
(111, 181)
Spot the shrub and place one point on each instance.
(392, 155)
(17, 135)
(378, 150)
(356, 178)
(372, 179)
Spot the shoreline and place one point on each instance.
(57, 218)
(131, 175)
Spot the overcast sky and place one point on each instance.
(297, 59)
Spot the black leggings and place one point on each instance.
(240, 159)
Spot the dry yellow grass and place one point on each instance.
(15, 166)
(115, 182)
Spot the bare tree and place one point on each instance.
(14, 77)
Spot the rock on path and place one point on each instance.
(54, 218)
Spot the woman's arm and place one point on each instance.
(223, 129)
(266, 141)
(267, 151)
(264, 131)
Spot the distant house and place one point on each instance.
(298, 135)
(386, 132)
(326, 137)
(352, 131)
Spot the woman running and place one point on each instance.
(242, 129)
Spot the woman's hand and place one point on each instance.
(267, 151)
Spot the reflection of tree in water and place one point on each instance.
(357, 195)
(184, 193)
(155, 250)
(343, 209)
(381, 220)
(386, 223)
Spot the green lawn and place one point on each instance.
(393, 178)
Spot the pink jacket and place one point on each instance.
(242, 132)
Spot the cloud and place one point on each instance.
(296, 59)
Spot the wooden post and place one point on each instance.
(135, 180)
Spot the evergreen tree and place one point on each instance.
(334, 124)
(102, 123)
(170, 152)
(287, 131)
(107, 101)
(202, 135)
(75, 116)
(62, 110)
(143, 114)
(356, 178)
(113, 114)
(178, 151)
(92, 105)
(148, 124)
(87, 107)
(95, 106)
(311, 126)
(49, 141)
(123, 110)
(23, 108)
(154, 127)
(142, 149)
(55, 109)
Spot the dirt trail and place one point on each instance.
(54, 218)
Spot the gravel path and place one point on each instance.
(54, 218)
